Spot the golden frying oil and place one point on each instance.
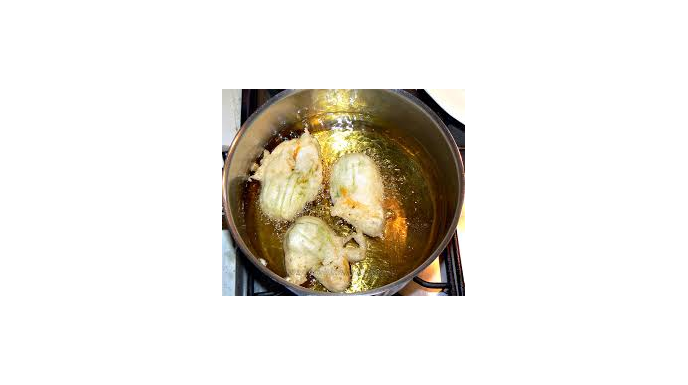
(408, 178)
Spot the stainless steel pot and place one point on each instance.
(398, 113)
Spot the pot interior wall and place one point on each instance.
(418, 167)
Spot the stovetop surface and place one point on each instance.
(246, 279)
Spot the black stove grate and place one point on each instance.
(249, 281)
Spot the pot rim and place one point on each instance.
(458, 162)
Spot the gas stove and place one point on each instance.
(444, 276)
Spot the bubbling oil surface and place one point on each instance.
(409, 204)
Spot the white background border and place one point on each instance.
(110, 122)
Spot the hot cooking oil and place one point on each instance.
(409, 201)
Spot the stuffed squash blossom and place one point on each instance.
(356, 190)
(290, 177)
(310, 246)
